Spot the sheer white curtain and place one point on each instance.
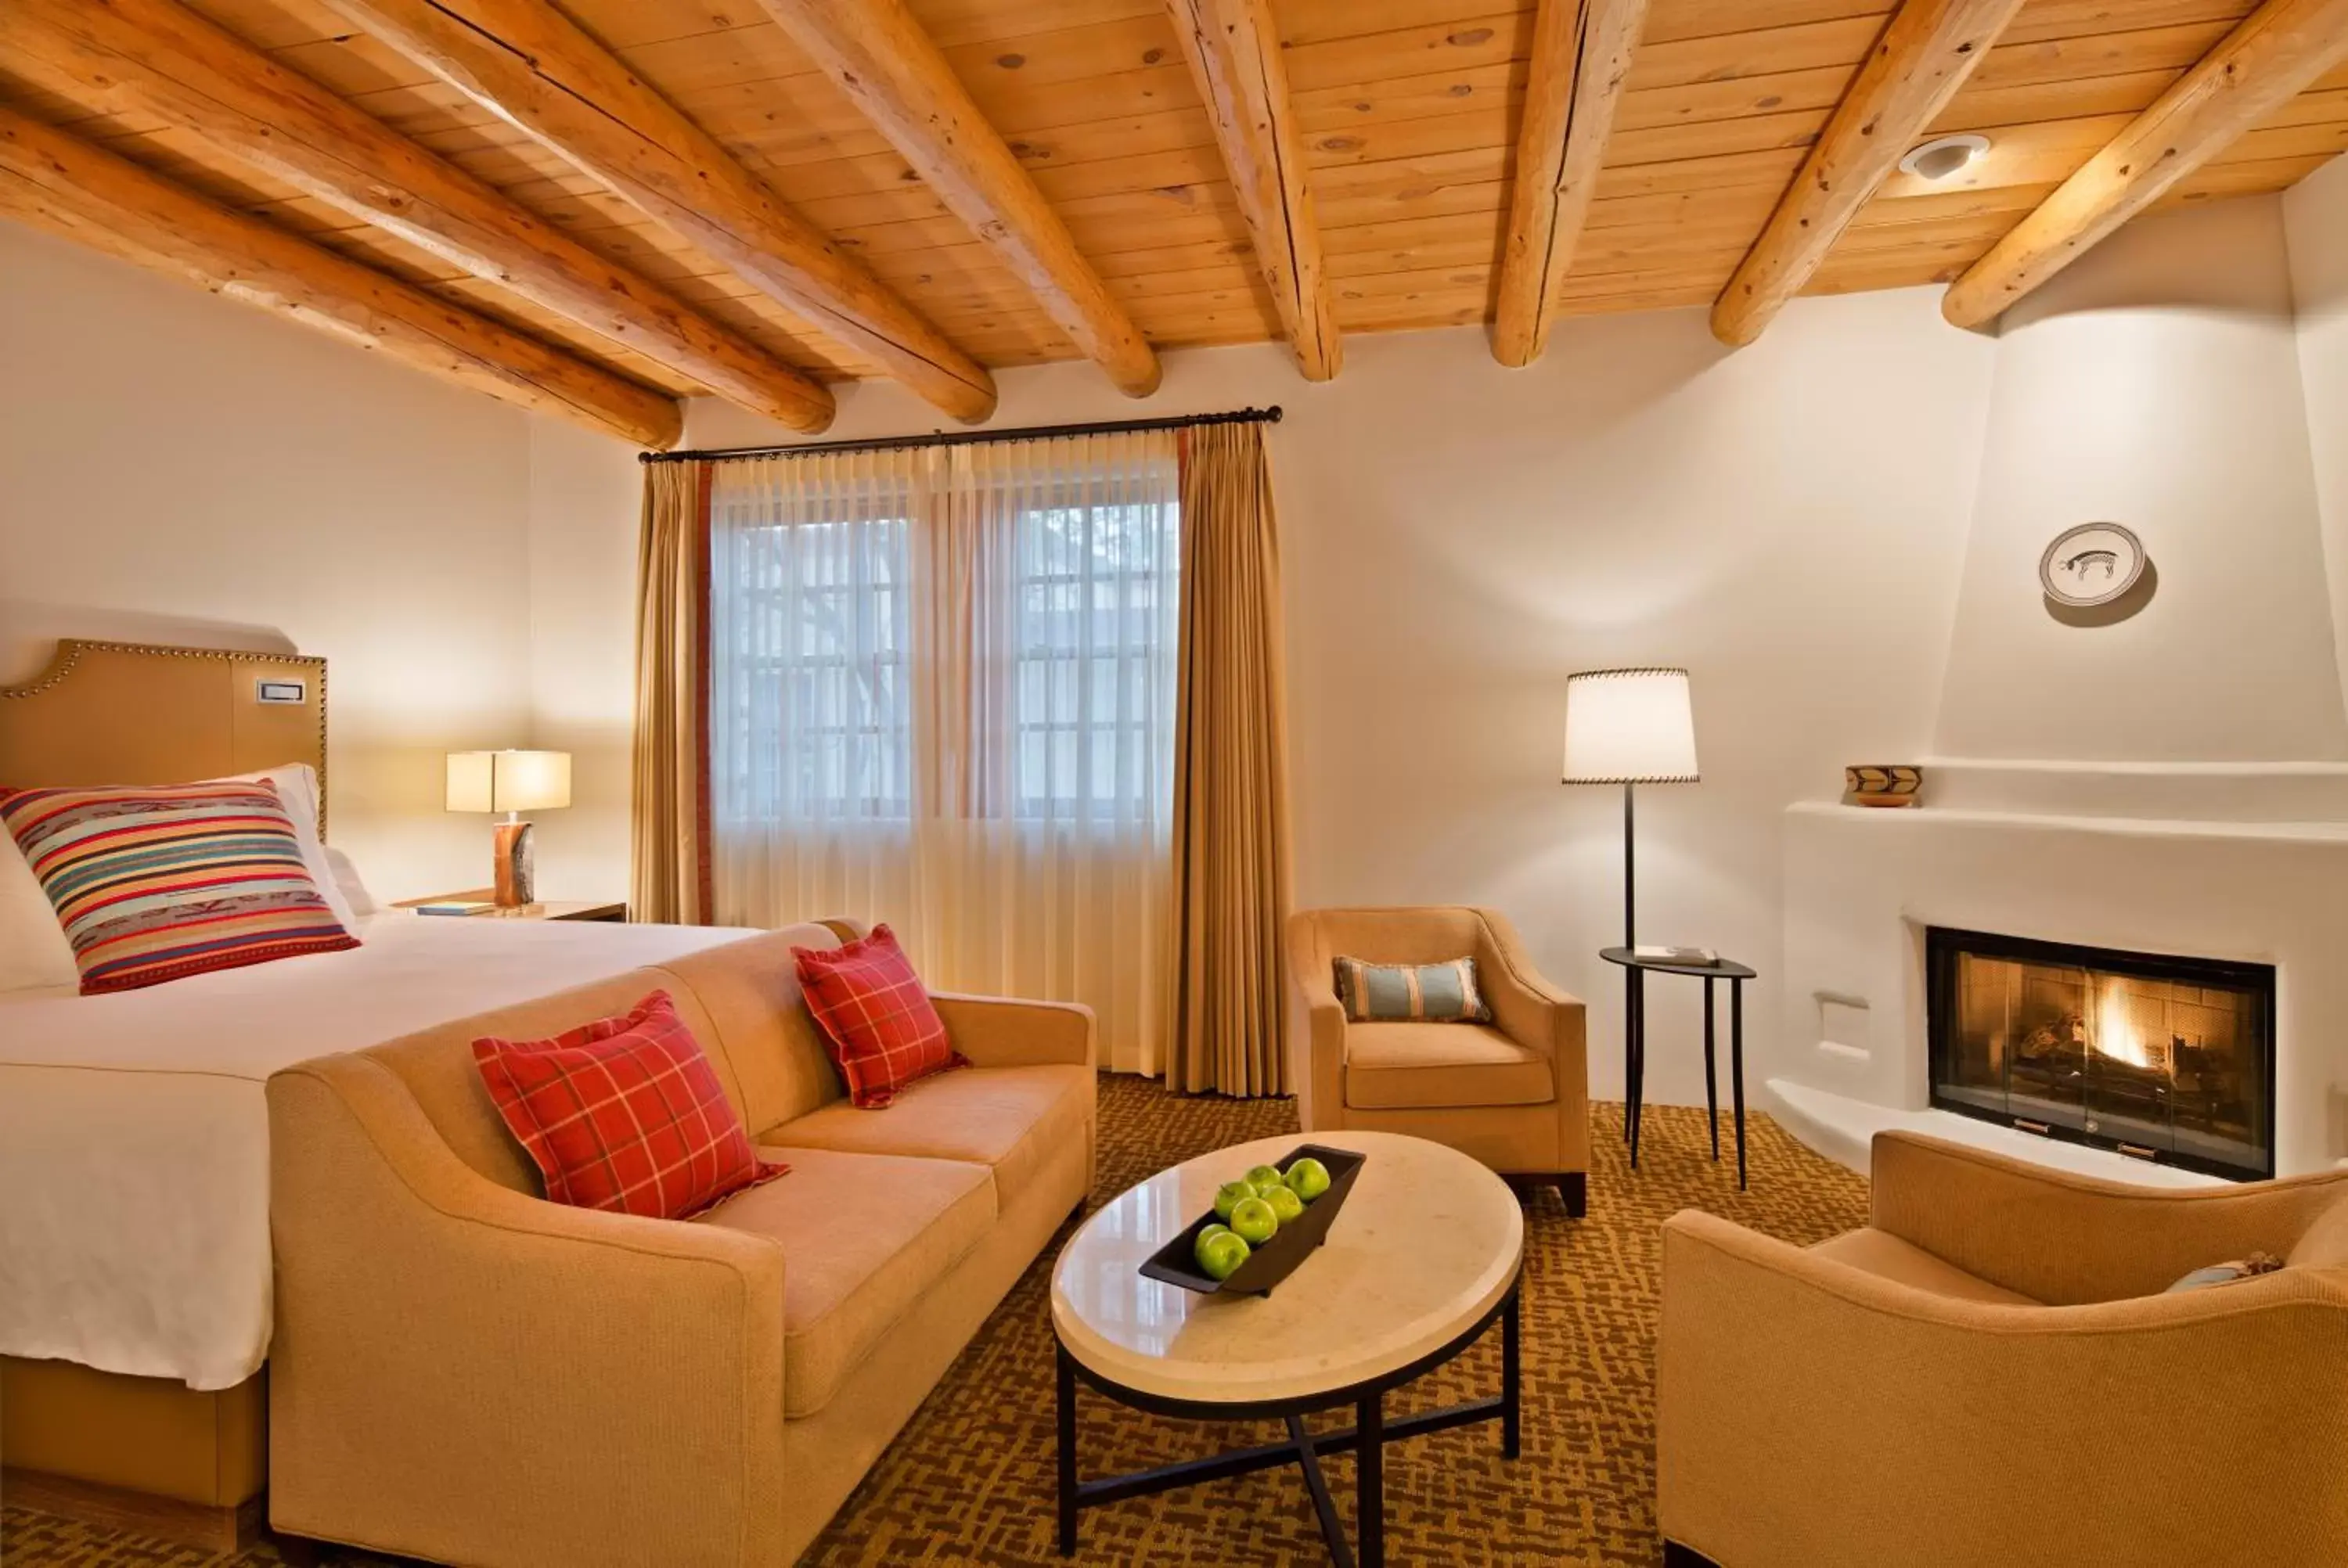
(943, 696)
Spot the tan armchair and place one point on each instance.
(1514, 1094)
(1990, 1374)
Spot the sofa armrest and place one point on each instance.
(1003, 1031)
(1813, 1414)
(1532, 1012)
(2067, 1239)
(1316, 1031)
(472, 1373)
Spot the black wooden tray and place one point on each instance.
(1275, 1260)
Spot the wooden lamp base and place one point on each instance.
(516, 882)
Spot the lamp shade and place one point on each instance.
(509, 781)
(1628, 726)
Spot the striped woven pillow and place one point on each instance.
(154, 884)
(1411, 993)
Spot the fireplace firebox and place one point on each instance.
(2166, 1058)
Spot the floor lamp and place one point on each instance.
(1629, 727)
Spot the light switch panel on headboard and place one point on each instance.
(289, 692)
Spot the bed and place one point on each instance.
(134, 1201)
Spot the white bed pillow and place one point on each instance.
(34, 952)
(297, 790)
(346, 881)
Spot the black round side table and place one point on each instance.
(1634, 1041)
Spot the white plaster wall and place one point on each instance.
(1787, 521)
(2315, 218)
(584, 498)
(2155, 384)
(176, 468)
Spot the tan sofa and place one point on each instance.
(1991, 1375)
(465, 1372)
(1514, 1094)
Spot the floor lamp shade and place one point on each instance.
(1628, 726)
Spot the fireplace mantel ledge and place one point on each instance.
(1910, 817)
(1843, 1129)
(2203, 792)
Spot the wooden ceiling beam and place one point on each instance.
(1581, 55)
(2277, 51)
(526, 62)
(1923, 57)
(163, 59)
(877, 53)
(1235, 56)
(60, 184)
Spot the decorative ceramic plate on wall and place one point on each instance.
(2094, 563)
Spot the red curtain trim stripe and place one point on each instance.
(704, 875)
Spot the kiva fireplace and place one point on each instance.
(2165, 1059)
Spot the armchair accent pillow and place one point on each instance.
(2250, 1268)
(876, 1018)
(157, 883)
(625, 1115)
(1410, 993)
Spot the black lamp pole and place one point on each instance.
(1629, 872)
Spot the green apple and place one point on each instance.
(1219, 1253)
(1309, 1177)
(1213, 1230)
(1263, 1178)
(1254, 1222)
(1231, 1195)
(1286, 1206)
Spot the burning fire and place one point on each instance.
(2116, 1032)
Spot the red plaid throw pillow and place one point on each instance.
(624, 1113)
(877, 1020)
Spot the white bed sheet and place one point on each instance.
(134, 1159)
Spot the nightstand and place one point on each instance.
(548, 909)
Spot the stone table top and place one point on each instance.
(1428, 1242)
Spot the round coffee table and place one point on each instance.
(1425, 1256)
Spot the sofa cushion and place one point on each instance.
(864, 1238)
(1009, 1119)
(1414, 1066)
(1885, 1256)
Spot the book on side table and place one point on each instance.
(477, 903)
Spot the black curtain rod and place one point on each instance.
(969, 438)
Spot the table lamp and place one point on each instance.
(1629, 727)
(512, 783)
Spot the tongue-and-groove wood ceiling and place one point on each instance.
(1406, 111)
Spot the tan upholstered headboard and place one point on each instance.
(125, 714)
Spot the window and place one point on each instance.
(811, 710)
(950, 633)
(943, 684)
(1095, 628)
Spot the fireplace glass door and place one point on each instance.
(2169, 1059)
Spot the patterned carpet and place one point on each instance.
(970, 1479)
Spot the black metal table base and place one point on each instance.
(1366, 1439)
(1634, 1049)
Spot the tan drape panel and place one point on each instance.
(669, 876)
(1231, 776)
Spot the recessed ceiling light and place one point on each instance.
(1944, 155)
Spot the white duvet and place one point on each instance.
(134, 1158)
